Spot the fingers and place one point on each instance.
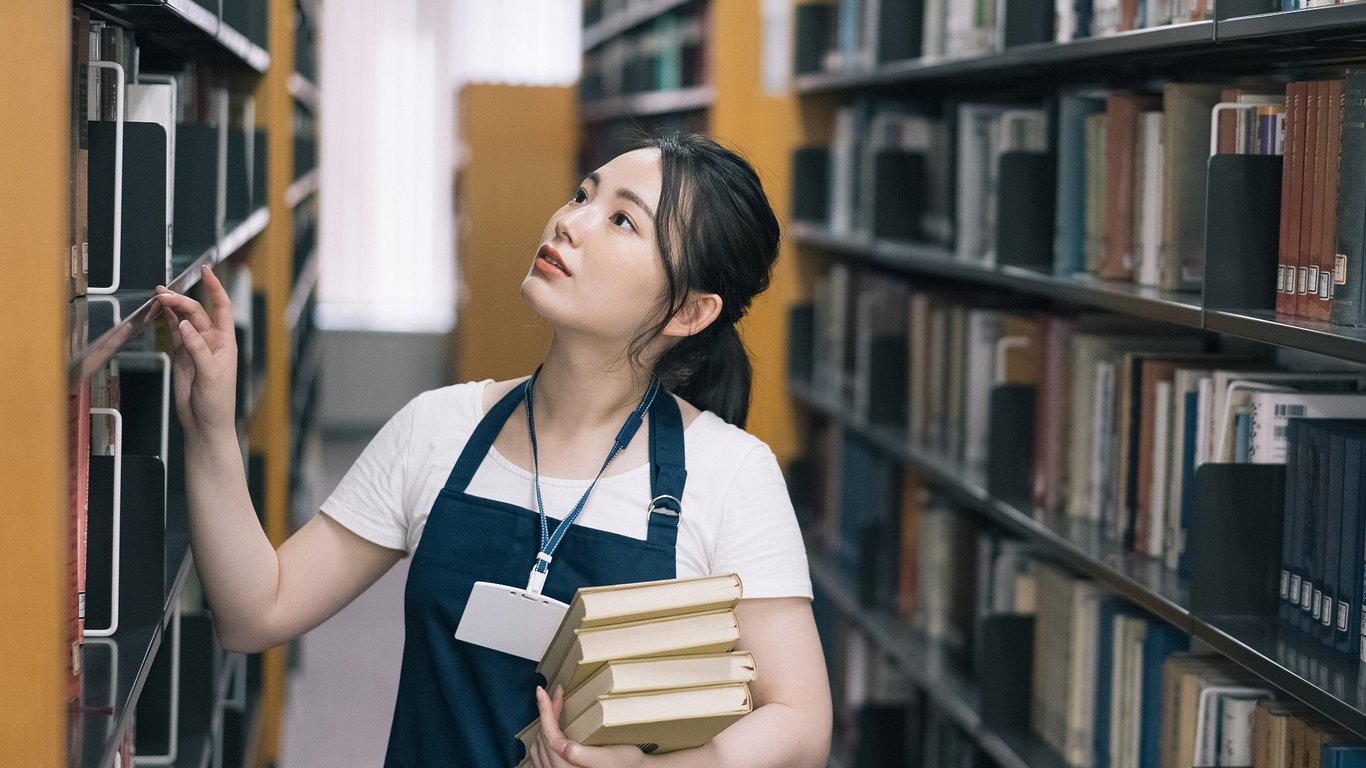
(216, 298)
(172, 323)
(186, 307)
(194, 343)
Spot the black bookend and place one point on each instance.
(1005, 659)
(1010, 458)
(143, 259)
(1028, 21)
(260, 169)
(239, 203)
(1242, 231)
(815, 31)
(196, 188)
(811, 184)
(256, 482)
(1232, 9)
(900, 30)
(1024, 220)
(199, 653)
(801, 334)
(882, 734)
(899, 185)
(888, 375)
(1235, 539)
(142, 554)
(155, 720)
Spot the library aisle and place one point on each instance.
(341, 691)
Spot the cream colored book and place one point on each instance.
(618, 603)
(639, 675)
(693, 633)
(656, 721)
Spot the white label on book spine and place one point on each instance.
(1343, 607)
(1340, 269)
(1285, 584)
(1294, 589)
(1327, 611)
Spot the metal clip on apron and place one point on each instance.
(461, 704)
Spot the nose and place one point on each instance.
(569, 224)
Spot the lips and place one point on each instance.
(548, 260)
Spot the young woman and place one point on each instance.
(642, 275)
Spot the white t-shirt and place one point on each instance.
(737, 516)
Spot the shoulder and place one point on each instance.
(713, 442)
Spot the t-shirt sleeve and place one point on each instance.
(369, 500)
(759, 537)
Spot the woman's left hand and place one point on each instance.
(553, 750)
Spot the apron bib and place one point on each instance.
(461, 704)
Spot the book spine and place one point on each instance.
(1349, 277)
(1296, 96)
(1309, 178)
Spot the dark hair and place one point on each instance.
(717, 234)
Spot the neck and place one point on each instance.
(581, 387)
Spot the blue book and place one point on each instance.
(1242, 437)
(1352, 556)
(1107, 610)
(1343, 756)
(1069, 226)
(1290, 528)
(1162, 641)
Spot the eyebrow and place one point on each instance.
(625, 194)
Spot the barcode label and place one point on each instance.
(1291, 410)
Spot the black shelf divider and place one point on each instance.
(114, 669)
(186, 28)
(115, 320)
(636, 13)
(910, 258)
(1079, 544)
(1020, 63)
(649, 103)
(924, 662)
(1299, 333)
(1330, 682)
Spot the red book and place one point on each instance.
(1310, 177)
(1121, 139)
(1286, 262)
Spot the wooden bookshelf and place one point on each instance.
(42, 730)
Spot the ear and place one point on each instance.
(698, 312)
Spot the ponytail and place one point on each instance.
(712, 371)
(717, 234)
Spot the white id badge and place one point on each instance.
(510, 620)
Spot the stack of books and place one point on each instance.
(649, 664)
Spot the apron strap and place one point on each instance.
(668, 473)
(481, 440)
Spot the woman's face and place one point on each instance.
(598, 270)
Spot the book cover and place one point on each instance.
(1124, 111)
(1349, 269)
(639, 675)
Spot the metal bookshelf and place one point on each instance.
(1080, 544)
(636, 13)
(1293, 332)
(649, 103)
(115, 320)
(926, 663)
(115, 668)
(186, 28)
(1180, 308)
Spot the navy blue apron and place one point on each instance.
(461, 704)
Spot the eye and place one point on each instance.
(622, 220)
(580, 195)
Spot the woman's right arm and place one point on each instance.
(259, 596)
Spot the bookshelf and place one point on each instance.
(230, 705)
(1284, 46)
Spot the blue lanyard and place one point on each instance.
(550, 541)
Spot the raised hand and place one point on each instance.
(205, 356)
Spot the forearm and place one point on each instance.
(236, 561)
(772, 735)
